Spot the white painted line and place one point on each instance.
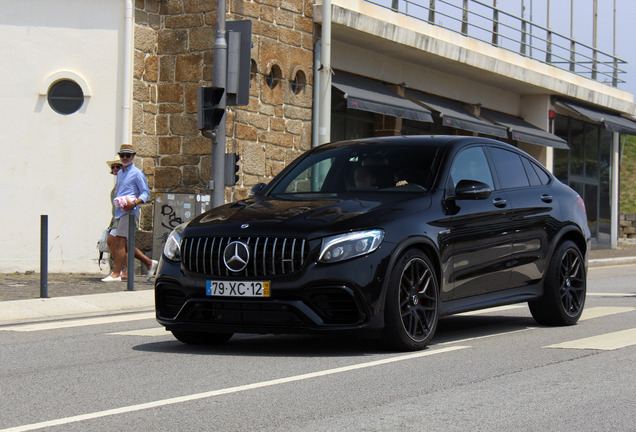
(152, 332)
(611, 294)
(79, 322)
(599, 266)
(495, 309)
(485, 336)
(598, 312)
(607, 341)
(229, 390)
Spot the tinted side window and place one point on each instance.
(509, 167)
(532, 174)
(543, 176)
(536, 174)
(471, 164)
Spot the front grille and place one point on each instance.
(269, 256)
(242, 314)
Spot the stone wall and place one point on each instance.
(627, 225)
(174, 55)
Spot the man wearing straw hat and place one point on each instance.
(131, 191)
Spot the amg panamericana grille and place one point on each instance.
(269, 256)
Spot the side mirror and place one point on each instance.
(471, 190)
(256, 189)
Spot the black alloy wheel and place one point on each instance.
(564, 288)
(412, 304)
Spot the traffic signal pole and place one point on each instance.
(232, 63)
(219, 80)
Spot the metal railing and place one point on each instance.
(487, 23)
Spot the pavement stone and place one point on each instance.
(72, 294)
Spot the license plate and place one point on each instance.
(237, 288)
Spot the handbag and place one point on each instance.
(102, 246)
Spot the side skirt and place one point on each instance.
(493, 299)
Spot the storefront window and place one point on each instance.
(591, 152)
(348, 123)
(577, 148)
(586, 169)
(561, 157)
(605, 171)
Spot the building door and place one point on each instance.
(586, 169)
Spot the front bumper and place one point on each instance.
(318, 298)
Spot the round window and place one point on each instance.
(274, 77)
(65, 97)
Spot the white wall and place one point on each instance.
(55, 164)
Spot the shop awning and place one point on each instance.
(523, 131)
(613, 122)
(454, 115)
(367, 94)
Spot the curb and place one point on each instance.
(605, 262)
(45, 309)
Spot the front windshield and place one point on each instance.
(362, 167)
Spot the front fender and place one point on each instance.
(424, 243)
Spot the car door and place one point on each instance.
(479, 230)
(534, 213)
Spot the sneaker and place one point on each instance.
(109, 278)
(152, 270)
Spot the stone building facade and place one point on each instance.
(627, 225)
(174, 55)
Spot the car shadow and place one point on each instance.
(451, 329)
(336, 345)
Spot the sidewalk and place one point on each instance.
(85, 294)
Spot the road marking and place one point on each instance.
(470, 339)
(615, 266)
(229, 390)
(78, 322)
(611, 294)
(598, 312)
(155, 331)
(495, 309)
(607, 341)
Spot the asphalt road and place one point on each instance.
(491, 370)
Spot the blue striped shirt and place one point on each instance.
(131, 181)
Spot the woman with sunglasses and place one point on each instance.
(131, 183)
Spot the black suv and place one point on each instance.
(382, 235)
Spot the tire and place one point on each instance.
(412, 303)
(201, 338)
(564, 288)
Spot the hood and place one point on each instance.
(268, 216)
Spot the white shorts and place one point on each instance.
(122, 226)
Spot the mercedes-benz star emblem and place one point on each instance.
(236, 256)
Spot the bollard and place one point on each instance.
(44, 264)
(130, 266)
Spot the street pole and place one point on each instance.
(44, 258)
(219, 80)
(324, 130)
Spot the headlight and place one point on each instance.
(346, 246)
(172, 248)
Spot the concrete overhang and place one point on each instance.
(363, 24)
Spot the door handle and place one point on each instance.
(546, 198)
(499, 202)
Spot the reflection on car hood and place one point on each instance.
(301, 216)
